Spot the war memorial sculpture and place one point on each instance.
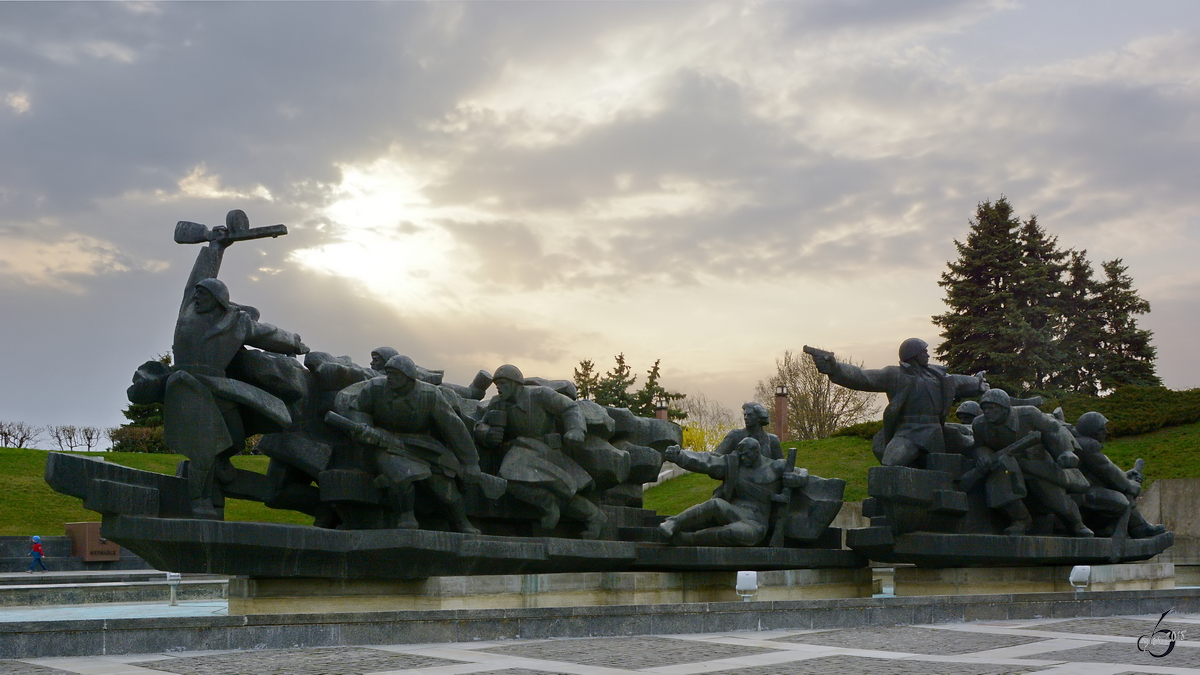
(407, 476)
(1008, 485)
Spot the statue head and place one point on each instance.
(210, 294)
(749, 451)
(995, 404)
(1092, 425)
(508, 380)
(914, 348)
(755, 413)
(968, 411)
(380, 356)
(401, 372)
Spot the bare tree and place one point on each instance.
(66, 436)
(19, 434)
(816, 406)
(707, 422)
(90, 437)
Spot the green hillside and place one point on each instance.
(1173, 452)
(28, 506)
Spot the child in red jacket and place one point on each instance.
(37, 553)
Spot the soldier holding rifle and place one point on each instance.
(1042, 471)
(203, 409)
(420, 438)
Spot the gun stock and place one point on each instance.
(187, 232)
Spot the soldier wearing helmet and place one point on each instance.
(920, 397)
(1113, 492)
(529, 426)
(437, 448)
(204, 410)
(1040, 475)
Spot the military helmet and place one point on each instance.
(1090, 424)
(509, 372)
(403, 364)
(997, 397)
(969, 408)
(219, 290)
(911, 347)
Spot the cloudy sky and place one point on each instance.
(538, 183)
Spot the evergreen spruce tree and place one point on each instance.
(1035, 317)
(984, 328)
(1083, 336)
(1127, 354)
(645, 400)
(613, 388)
(1039, 294)
(586, 378)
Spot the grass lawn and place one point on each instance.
(1173, 452)
(28, 506)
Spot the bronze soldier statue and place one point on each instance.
(756, 417)
(919, 399)
(1041, 473)
(420, 438)
(1112, 492)
(203, 408)
(529, 427)
(739, 514)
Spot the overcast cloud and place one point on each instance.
(479, 183)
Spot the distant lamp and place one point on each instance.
(747, 585)
(1081, 575)
(781, 390)
(661, 407)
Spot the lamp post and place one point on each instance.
(781, 412)
(661, 408)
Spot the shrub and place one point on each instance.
(1133, 410)
(865, 430)
(138, 439)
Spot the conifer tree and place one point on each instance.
(1035, 317)
(984, 328)
(1127, 354)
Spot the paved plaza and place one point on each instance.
(1099, 646)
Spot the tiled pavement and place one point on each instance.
(1105, 646)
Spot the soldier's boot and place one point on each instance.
(1074, 520)
(582, 509)
(443, 488)
(668, 527)
(1140, 529)
(1019, 515)
(540, 498)
(401, 497)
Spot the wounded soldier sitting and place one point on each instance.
(739, 514)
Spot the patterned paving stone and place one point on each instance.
(861, 665)
(19, 668)
(912, 640)
(631, 653)
(1116, 652)
(327, 661)
(1117, 626)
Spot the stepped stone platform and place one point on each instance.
(14, 557)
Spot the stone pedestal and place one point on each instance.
(991, 580)
(302, 596)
